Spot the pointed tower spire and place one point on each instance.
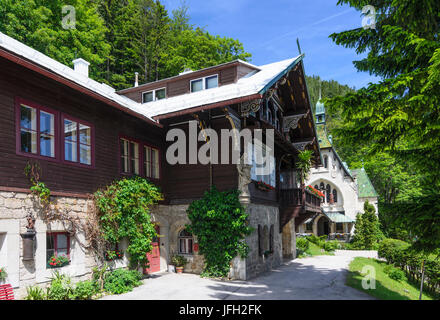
(320, 84)
(320, 108)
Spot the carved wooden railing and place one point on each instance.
(298, 197)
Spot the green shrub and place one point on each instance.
(122, 280)
(85, 290)
(60, 287)
(395, 273)
(302, 245)
(331, 245)
(35, 293)
(319, 241)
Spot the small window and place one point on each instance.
(37, 131)
(154, 95)
(151, 162)
(196, 85)
(309, 226)
(211, 82)
(77, 142)
(325, 162)
(129, 156)
(57, 244)
(185, 242)
(204, 83)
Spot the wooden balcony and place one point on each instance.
(299, 204)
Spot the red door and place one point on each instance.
(154, 255)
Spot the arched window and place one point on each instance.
(321, 186)
(327, 191)
(316, 187)
(335, 195)
(185, 240)
(325, 162)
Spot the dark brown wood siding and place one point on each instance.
(109, 123)
(186, 182)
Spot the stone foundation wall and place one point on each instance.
(256, 263)
(14, 208)
(171, 220)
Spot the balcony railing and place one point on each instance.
(298, 197)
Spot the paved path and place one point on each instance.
(317, 278)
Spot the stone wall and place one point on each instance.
(171, 220)
(256, 263)
(14, 208)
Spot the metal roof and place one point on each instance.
(365, 187)
(338, 217)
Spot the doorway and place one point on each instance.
(154, 255)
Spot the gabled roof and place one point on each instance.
(255, 83)
(55, 67)
(365, 187)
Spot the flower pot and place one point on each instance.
(179, 269)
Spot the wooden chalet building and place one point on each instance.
(84, 135)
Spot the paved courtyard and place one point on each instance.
(318, 278)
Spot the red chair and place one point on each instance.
(6, 292)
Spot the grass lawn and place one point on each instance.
(386, 288)
(314, 250)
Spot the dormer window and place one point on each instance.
(204, 83)
(154, 95)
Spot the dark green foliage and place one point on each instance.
(399, 117)
(85, 290)
(319, 241)
(124, 212)
(394, 273)
(220, 223)
(403, 255)
(122, 280)
(118, 38)
(302, 244)
(367, 232)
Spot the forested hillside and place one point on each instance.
(118, 37)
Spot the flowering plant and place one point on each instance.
(3, 273)
(113, 255)
(57, 261)
(264, 186)
(315, 191)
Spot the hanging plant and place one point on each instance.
(315, 191)
(264, 186)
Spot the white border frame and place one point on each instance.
(154, 94)
(204, 82)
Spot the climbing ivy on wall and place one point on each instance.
(220, 223)
(123, 210)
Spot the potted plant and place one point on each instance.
(179, 262)
(3, 274)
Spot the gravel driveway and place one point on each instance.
(317, 278)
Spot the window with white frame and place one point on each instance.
(258, 168)
(77, 141)
(185, 242)
(129, 151)
(151, 162)
(204, 83)
(154, 95)
(37, 131)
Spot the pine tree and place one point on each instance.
(400, 115)
(367, 229)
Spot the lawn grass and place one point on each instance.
(314, 250)
(386, 288)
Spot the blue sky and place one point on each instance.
(268, 30)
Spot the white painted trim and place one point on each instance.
(10, 228)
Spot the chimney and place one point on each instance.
(136, 79)
(81, 66)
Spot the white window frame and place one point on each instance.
(154, 94)
(203, 82)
